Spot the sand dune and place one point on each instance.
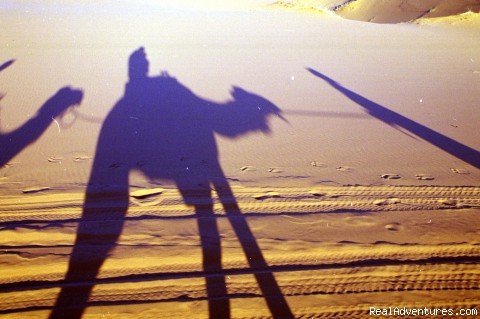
(387, 11)
(467, 20)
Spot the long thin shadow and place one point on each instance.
(6, 64)
(162, 129)
(14, 142)
(326, 114)
(459, 150)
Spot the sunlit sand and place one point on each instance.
(238, 159)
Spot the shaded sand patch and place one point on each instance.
(392, 11)
(469, 19)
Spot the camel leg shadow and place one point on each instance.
(218, 300)
(97, 234)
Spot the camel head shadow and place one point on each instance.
(61, 101)
(13, 142)
(163, 129)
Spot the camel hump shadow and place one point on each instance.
(161, 128)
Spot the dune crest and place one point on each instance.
(468, 19)
(391, 11)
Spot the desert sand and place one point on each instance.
(238, 159)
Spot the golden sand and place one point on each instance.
(198, 159)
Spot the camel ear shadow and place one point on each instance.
(238, 92)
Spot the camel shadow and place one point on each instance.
(163, 130)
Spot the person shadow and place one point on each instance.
(163, 130)
(13, 142)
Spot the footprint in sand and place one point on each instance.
(448, 202)
(147, 196)
(317, 193)
(248, 168)
(274, 170)
(388, 201)
(318, 164)
(390, 176)
(34, 189)
(81, 158)
(144, 193)
(460, 171)
(344, 168)
(266, 195)
(7, 165)
(54, 159)
(424, 177)
(393, 226)
(454, 203)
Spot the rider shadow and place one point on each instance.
(162, 129)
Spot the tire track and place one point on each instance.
(288, 201)
(342, 256)
(317, 269)
(296, 283)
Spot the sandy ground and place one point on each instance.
(336, 160)
(393, 11)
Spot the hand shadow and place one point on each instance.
(161, 128)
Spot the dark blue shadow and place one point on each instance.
(14, 142)
(162, 129)
(6, 64)
(459, 150)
